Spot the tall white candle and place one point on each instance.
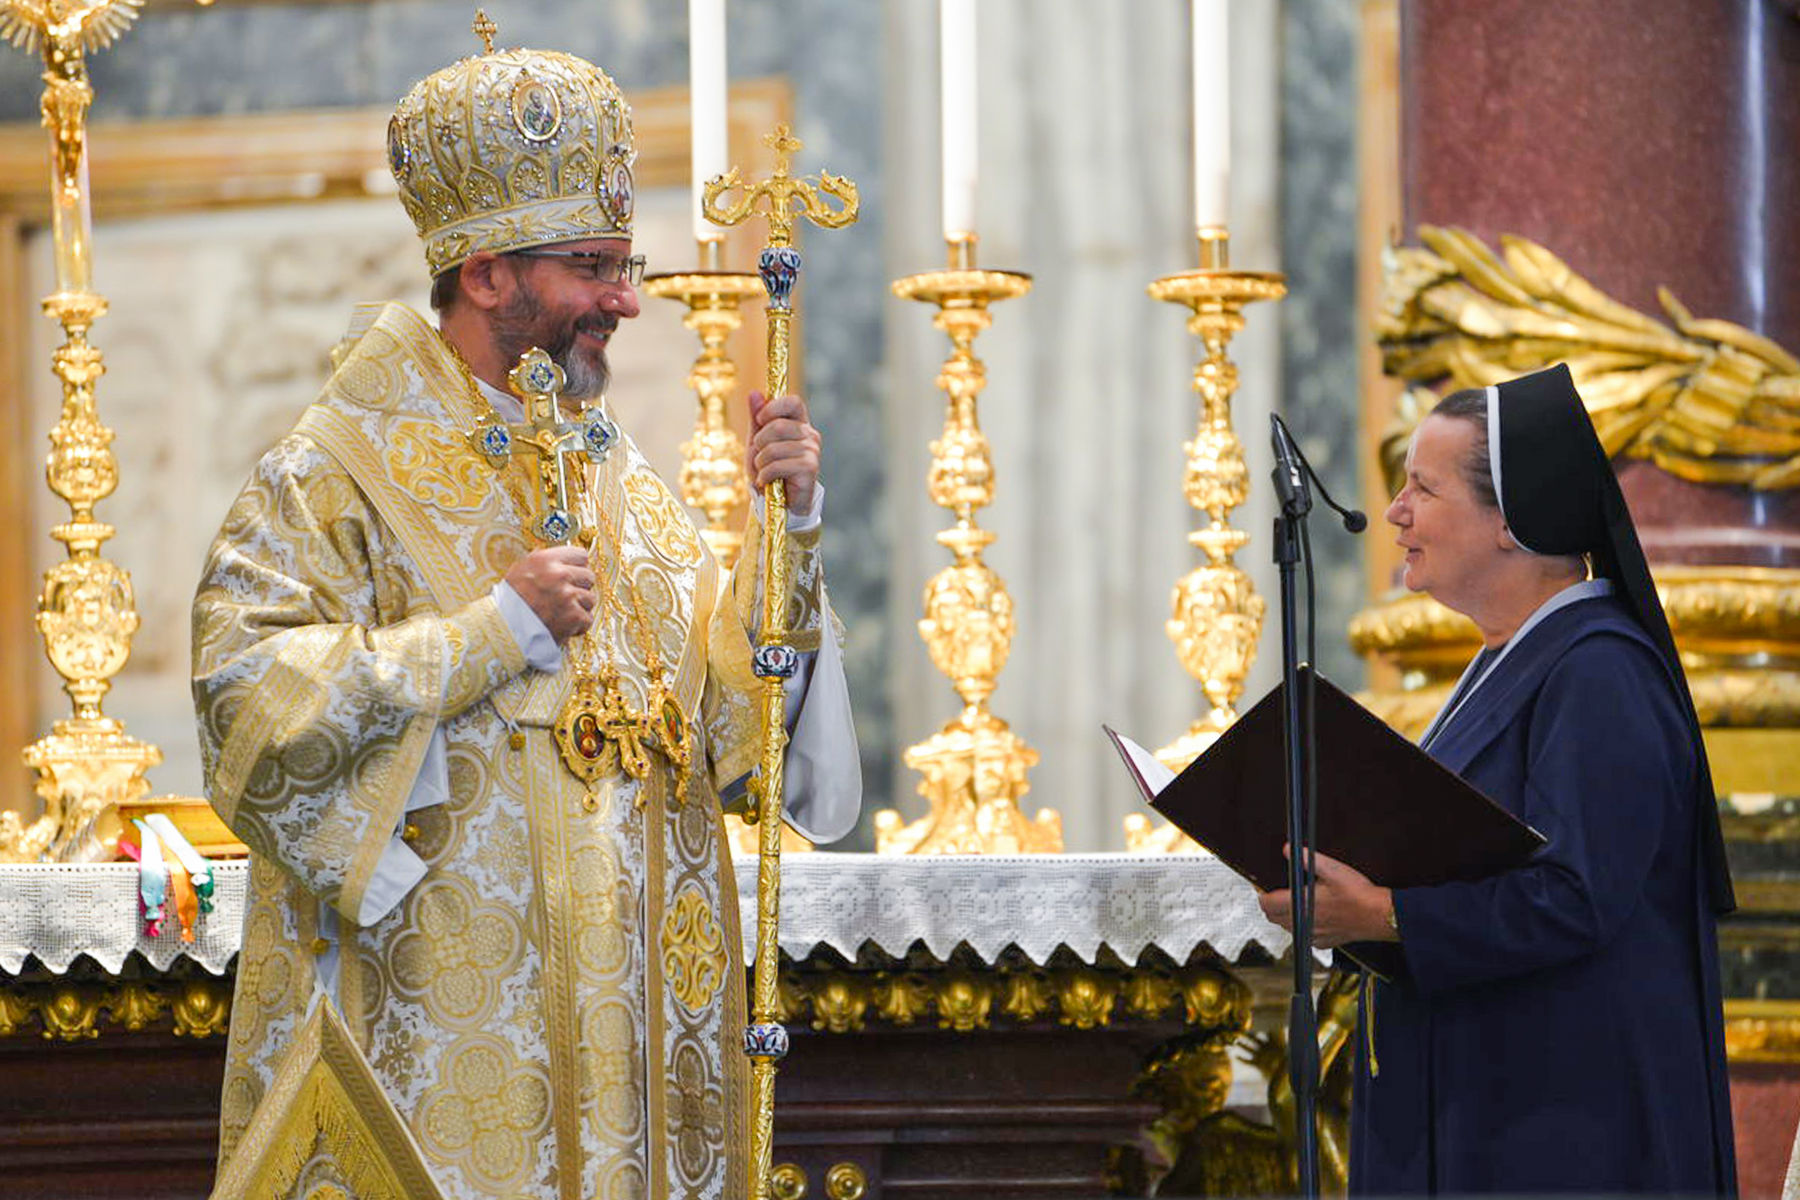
(706, 91)
(956, 42)
(1212, 113)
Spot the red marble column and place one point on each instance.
(1647, 143)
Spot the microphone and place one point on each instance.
(1290, 483)
(1289, 463)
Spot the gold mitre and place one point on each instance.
(510, 149)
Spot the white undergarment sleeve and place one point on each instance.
(822, 777)
(797, 522)
(535, 641)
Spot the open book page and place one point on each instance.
(1147, 771)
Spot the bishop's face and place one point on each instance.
(1453, 540)
(560, 306)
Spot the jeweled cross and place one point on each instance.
(629, 734)
(538, 382)
(485, 30)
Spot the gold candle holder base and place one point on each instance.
(1216, 615)
(975, 767)
(712, 468)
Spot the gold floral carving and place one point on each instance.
(200, 1010)
(1703, 399)
(1762, 1031)
(136, 1006)
(693, 951)
(78, 1009)
(974, 770)
(964, 999)
(1086, 997)
(1738, 630)
(70, 1012)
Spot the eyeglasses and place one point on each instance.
(601, 268)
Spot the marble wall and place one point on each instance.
(1084, 136)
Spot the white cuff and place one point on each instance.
(397, 873)
(822, 775)
(534, 638)
(797, 522)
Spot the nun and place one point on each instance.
(1557, 1027)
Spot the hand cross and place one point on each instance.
(538, 382)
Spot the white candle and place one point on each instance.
(1212, 114)
(706, 91)
(956, 45)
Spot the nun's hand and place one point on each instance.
(1346, 906)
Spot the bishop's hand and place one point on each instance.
(558, 585)
(785, 446)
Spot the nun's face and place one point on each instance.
(1453, 541)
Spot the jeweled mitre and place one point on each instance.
(510, 149)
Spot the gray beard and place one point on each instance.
(519, 327)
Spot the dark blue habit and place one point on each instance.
(1558, 1027)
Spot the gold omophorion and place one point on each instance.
(975, 767)
(785, 199)
(1216, 615)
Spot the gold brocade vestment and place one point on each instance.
(555, 1007)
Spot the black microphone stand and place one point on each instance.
(1292, 473)
(1303, 1019)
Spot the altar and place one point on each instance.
(1020, 1026)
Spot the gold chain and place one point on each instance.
(659, 703)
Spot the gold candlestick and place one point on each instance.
(86, 614)
(712, 467)
(975, 767)
(1216, 615)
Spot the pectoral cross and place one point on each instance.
(538, 382)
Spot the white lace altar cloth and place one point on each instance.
(1126, 903)
(55, 912)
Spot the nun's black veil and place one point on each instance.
(1559, 495)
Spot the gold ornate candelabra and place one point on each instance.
(1216, 614)
(86, 614)
(712, 467)
(785, 200)
(975, 767)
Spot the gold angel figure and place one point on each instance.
(1706, 400)
(72, 27)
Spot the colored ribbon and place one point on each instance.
(153, 879)
(198, 868)
(187, 903)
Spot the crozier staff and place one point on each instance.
(480, 780)
(1557, 1027)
